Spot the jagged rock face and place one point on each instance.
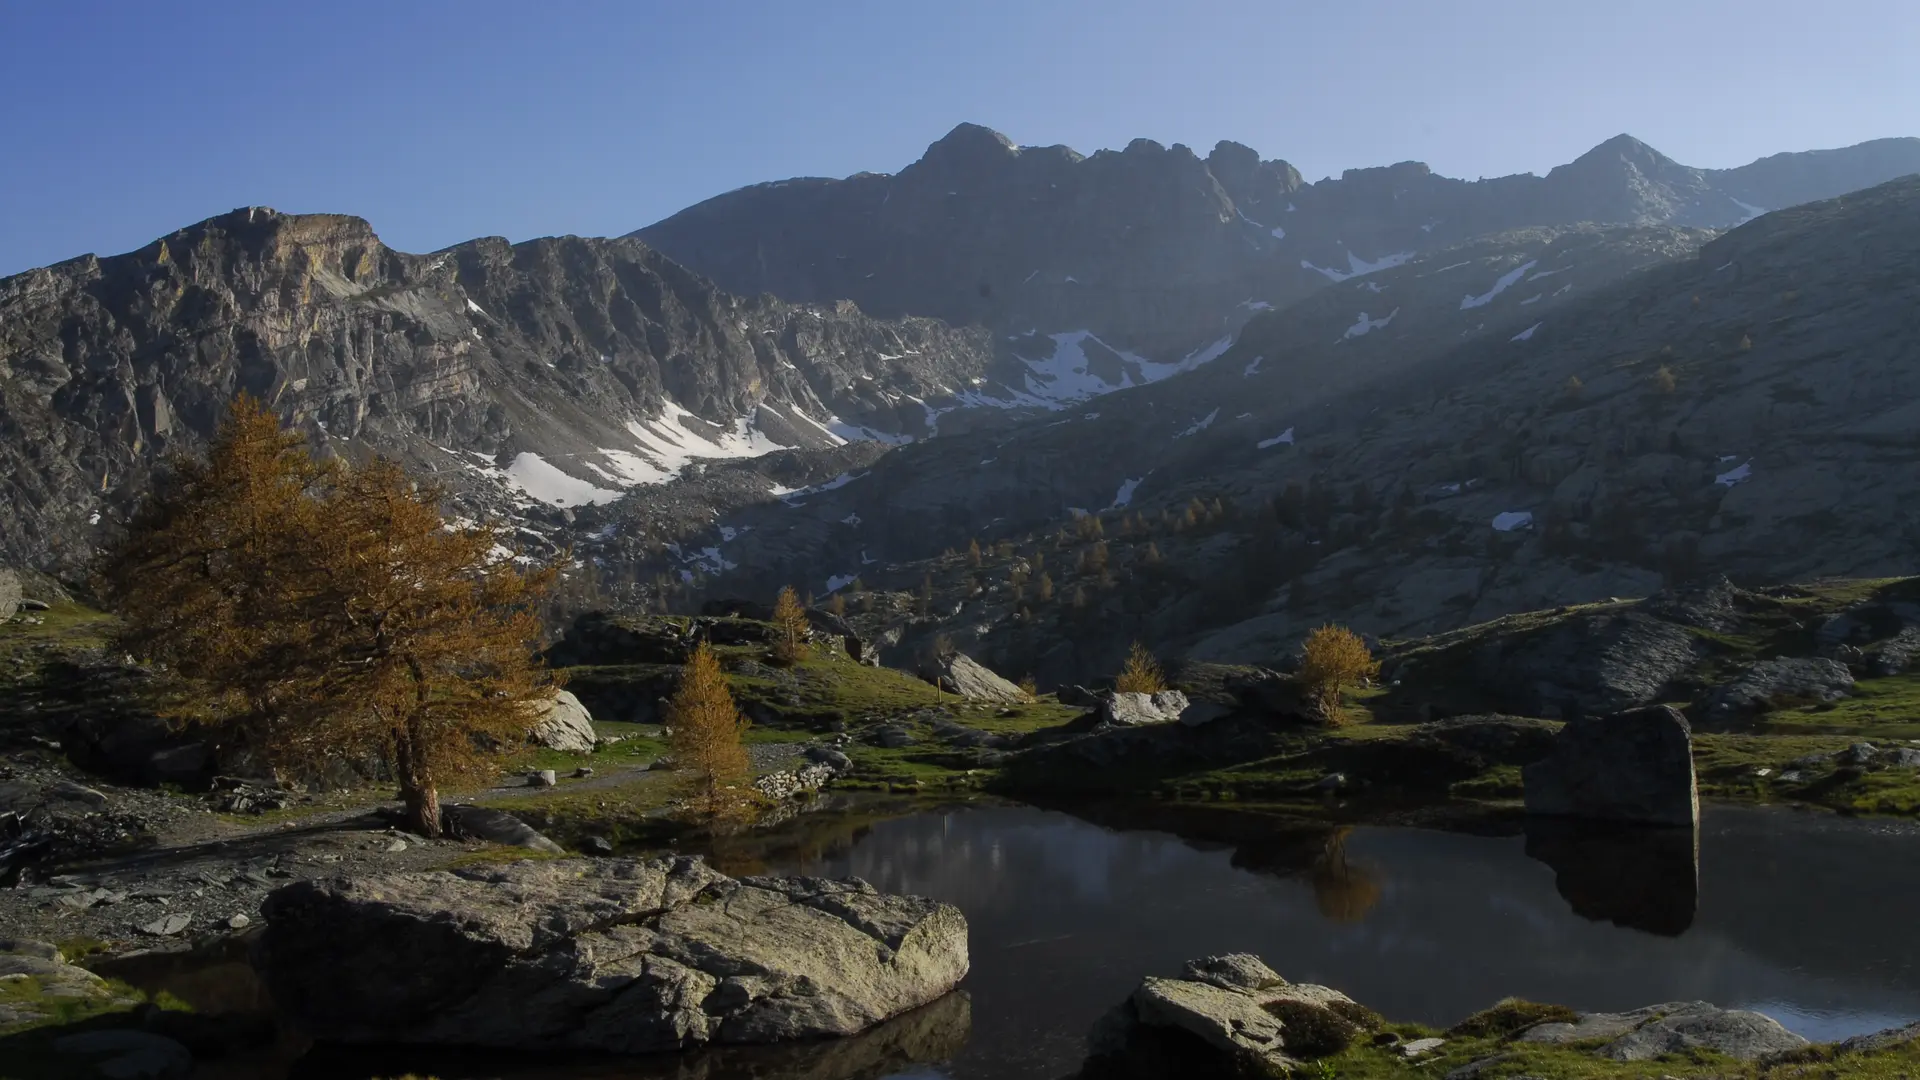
(1152, 246)
(461, 363)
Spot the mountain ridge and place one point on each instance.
(1150, 246)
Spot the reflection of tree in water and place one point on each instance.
(1343, 890)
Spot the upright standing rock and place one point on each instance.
(1635, 766)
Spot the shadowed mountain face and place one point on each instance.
(1485, 446)
(1152, 248)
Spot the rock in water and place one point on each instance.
(1634, 766)
(1226, 1016)
(1134, 710)
(613, 955)
(564, 724)
(960, 674)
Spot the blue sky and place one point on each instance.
(120, 122)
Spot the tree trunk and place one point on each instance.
(423, 809)
(417, 790)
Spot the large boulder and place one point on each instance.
(1782, 680)
(1129, 709)
(9, 593)
(958, 673)
(562, 723)
(609, 955)
(1674, 1028)
(1635, 766)
(1224, 1016)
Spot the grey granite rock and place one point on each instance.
(1125, 709)
(958, 673)
(616, 955)
(564, 724)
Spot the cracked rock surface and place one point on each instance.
(616, 955)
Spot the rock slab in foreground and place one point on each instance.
(1634, 766)
(614, 955)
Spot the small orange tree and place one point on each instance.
(789, 628)
(1142, 674)
(1332, 659)
(713, 765)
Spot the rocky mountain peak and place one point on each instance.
(969, 146)
(1621, 150)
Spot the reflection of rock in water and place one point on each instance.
(1344, 891)
(1264, 843)
(1643, 877)
(932, 1033)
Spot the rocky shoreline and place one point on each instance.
(1233, 1016)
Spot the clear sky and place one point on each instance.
(441, 121)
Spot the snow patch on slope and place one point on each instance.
(1199, 425)
(1364, 325)
(1357, 266)
(540, 480)
(1068, 376)
(1506, 282)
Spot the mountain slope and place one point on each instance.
(1246, 409)
(1751, 409)
(533, 377)
(1150, 248)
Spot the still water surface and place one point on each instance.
(1806, 918)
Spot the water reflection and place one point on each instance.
(1343, 890)
(1786, 913)
(1641, 877)
(931, 1034)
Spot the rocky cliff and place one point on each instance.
(533, 378)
